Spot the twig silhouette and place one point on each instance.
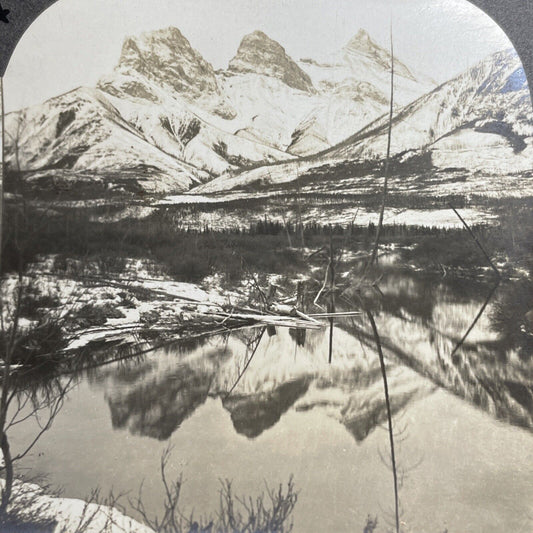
(476, 241)
(258, 342)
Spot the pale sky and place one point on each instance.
(75, 42)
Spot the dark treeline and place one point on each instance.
(264, 245)
(273, 227)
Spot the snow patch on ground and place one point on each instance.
(69, 513)
(127, 301)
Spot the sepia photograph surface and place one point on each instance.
(266, 266)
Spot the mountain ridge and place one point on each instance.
(166, 110)
(478, 100)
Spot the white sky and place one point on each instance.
(75, 42)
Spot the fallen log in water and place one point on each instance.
(339, 314)
(236, 318)
(204, 319)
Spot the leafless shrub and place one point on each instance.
(270, 512)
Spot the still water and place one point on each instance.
(258, 406)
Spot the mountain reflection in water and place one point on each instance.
(229, 403)
(421, 323)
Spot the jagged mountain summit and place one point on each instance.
(356, 83)
(362, 47)
(167, 59)
(167, 123)
(166, 119)
(482, 120)
(260, 54)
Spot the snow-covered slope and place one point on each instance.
(168, 119)
(165, 87)
(161, 112)
(491, 99)
(481, 121)
(179, 130)
(268, 110)
(307, 106)
(347, 107)
(165, 112)
(356, 83)
(82, 131)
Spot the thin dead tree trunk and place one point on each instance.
(8, 349)
(4, 445)
(299, 207)
(389, 417)
(8, 486)
(374, 256)
(331, 292)
(476, 240)
(476, 318)
(254, 350)
(9, 345)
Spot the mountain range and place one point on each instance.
(165, 121)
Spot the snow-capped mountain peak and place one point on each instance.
(480, 121)
(167, 59)
(362, 47)
(361, 40)
(260, 54)
(164, 109)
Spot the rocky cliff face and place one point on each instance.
(259, 54)
(166, 58)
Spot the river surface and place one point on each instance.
(258, 407)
